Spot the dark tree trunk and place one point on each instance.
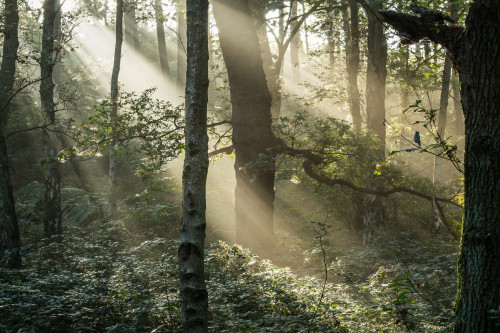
(478, 300)
(51, 215)
(112, 199)
(252, 135)
(160, 34)
(181, 45)
(9, 229)
(475, 52)
(194, 296)
(375, 110)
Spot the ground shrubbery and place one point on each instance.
(120, 275)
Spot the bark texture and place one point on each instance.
(251, 118)
(194, 296)
(112, 200)
(52, 214)
(478, 300)
(9, 228)
(160, 35)
(475, 53)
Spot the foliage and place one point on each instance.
(105, 278)
(144, 125)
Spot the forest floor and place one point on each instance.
(110, 275)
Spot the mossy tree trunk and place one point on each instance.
(194, 296)
(475, 52)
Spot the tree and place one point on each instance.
(9, 229)
(181, 44)
(194, 296)
(251, 119)
(160, 35)
(376, 74)
(52, 214)
(114, 100)
(351, 36)
(131, 29)
(474, 51)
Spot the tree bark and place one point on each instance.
(112, 199)
(194, 296)
(375, 109)
(9, 228)
(252, 135)
(181, 45)
(478, 300)
(51, 215)
(475, 53)
(443, 109)
(160, 34)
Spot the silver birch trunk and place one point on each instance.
(193, 291)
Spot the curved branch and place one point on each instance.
(428, 23)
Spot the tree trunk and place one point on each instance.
(478, 300)
(131, 31)
(405, 86)
(272, 73)
(306, 32)
(160, 34)
(295, 45)
(9, 229)
(475, 52)
(443, 109)
(330, 36)
(457, 106)
(51, 215)
(351, 36)
(194, 296)
(252, 135)
(375, 110)
(181, 45)
(114, 100)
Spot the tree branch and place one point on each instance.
(426, 23)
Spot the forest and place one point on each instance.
(250, 166)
